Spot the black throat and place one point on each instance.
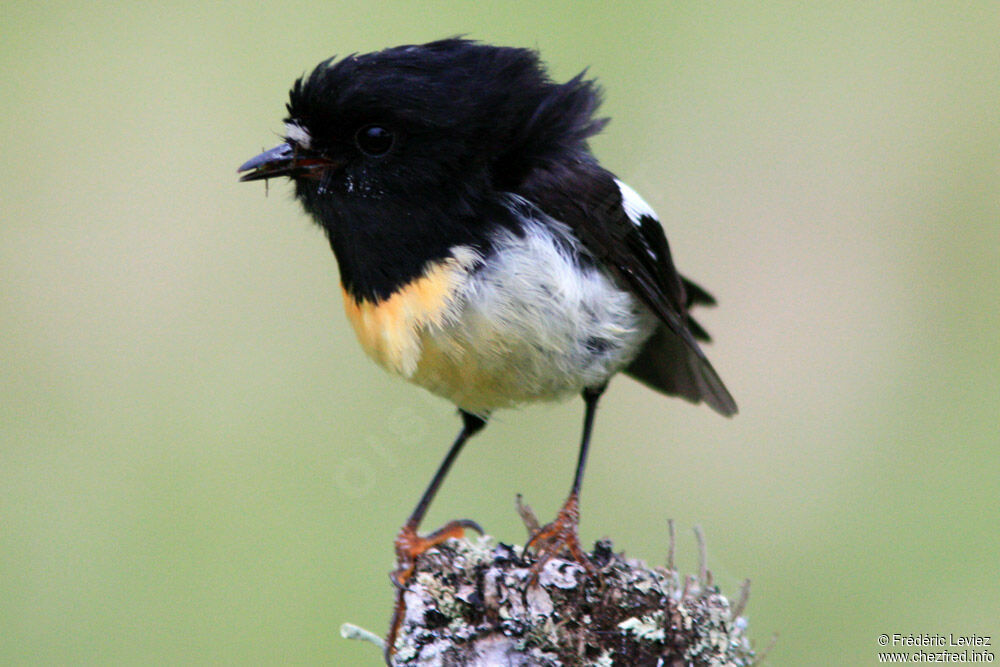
(382, 244)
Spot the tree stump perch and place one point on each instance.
(470, 603)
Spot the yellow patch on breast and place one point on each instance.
(390, 330)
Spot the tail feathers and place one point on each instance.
(668, 365)
(697, 331)
(694, 295)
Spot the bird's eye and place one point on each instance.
(374, 140)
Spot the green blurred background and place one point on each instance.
(199, 465)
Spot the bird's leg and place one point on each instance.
(410, 545)
(561, 535)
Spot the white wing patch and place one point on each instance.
(298, 134)
(634, 205)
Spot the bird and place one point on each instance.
(484, 253)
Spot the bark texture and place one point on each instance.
(471, 603)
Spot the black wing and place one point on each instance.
(588, 199)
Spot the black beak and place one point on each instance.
(284, 160)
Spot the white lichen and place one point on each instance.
(474, 604)
(649, 628)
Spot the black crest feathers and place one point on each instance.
(501, 109)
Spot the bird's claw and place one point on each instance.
(410, 546)
(559, 537)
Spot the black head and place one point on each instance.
(430, 131)
(398, 121)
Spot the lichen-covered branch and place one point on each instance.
(472, 603)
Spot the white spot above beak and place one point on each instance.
(298, 134)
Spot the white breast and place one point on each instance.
(534, 323)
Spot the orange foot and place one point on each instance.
(558, 537)
(409, 546)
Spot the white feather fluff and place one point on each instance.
(533, 323)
